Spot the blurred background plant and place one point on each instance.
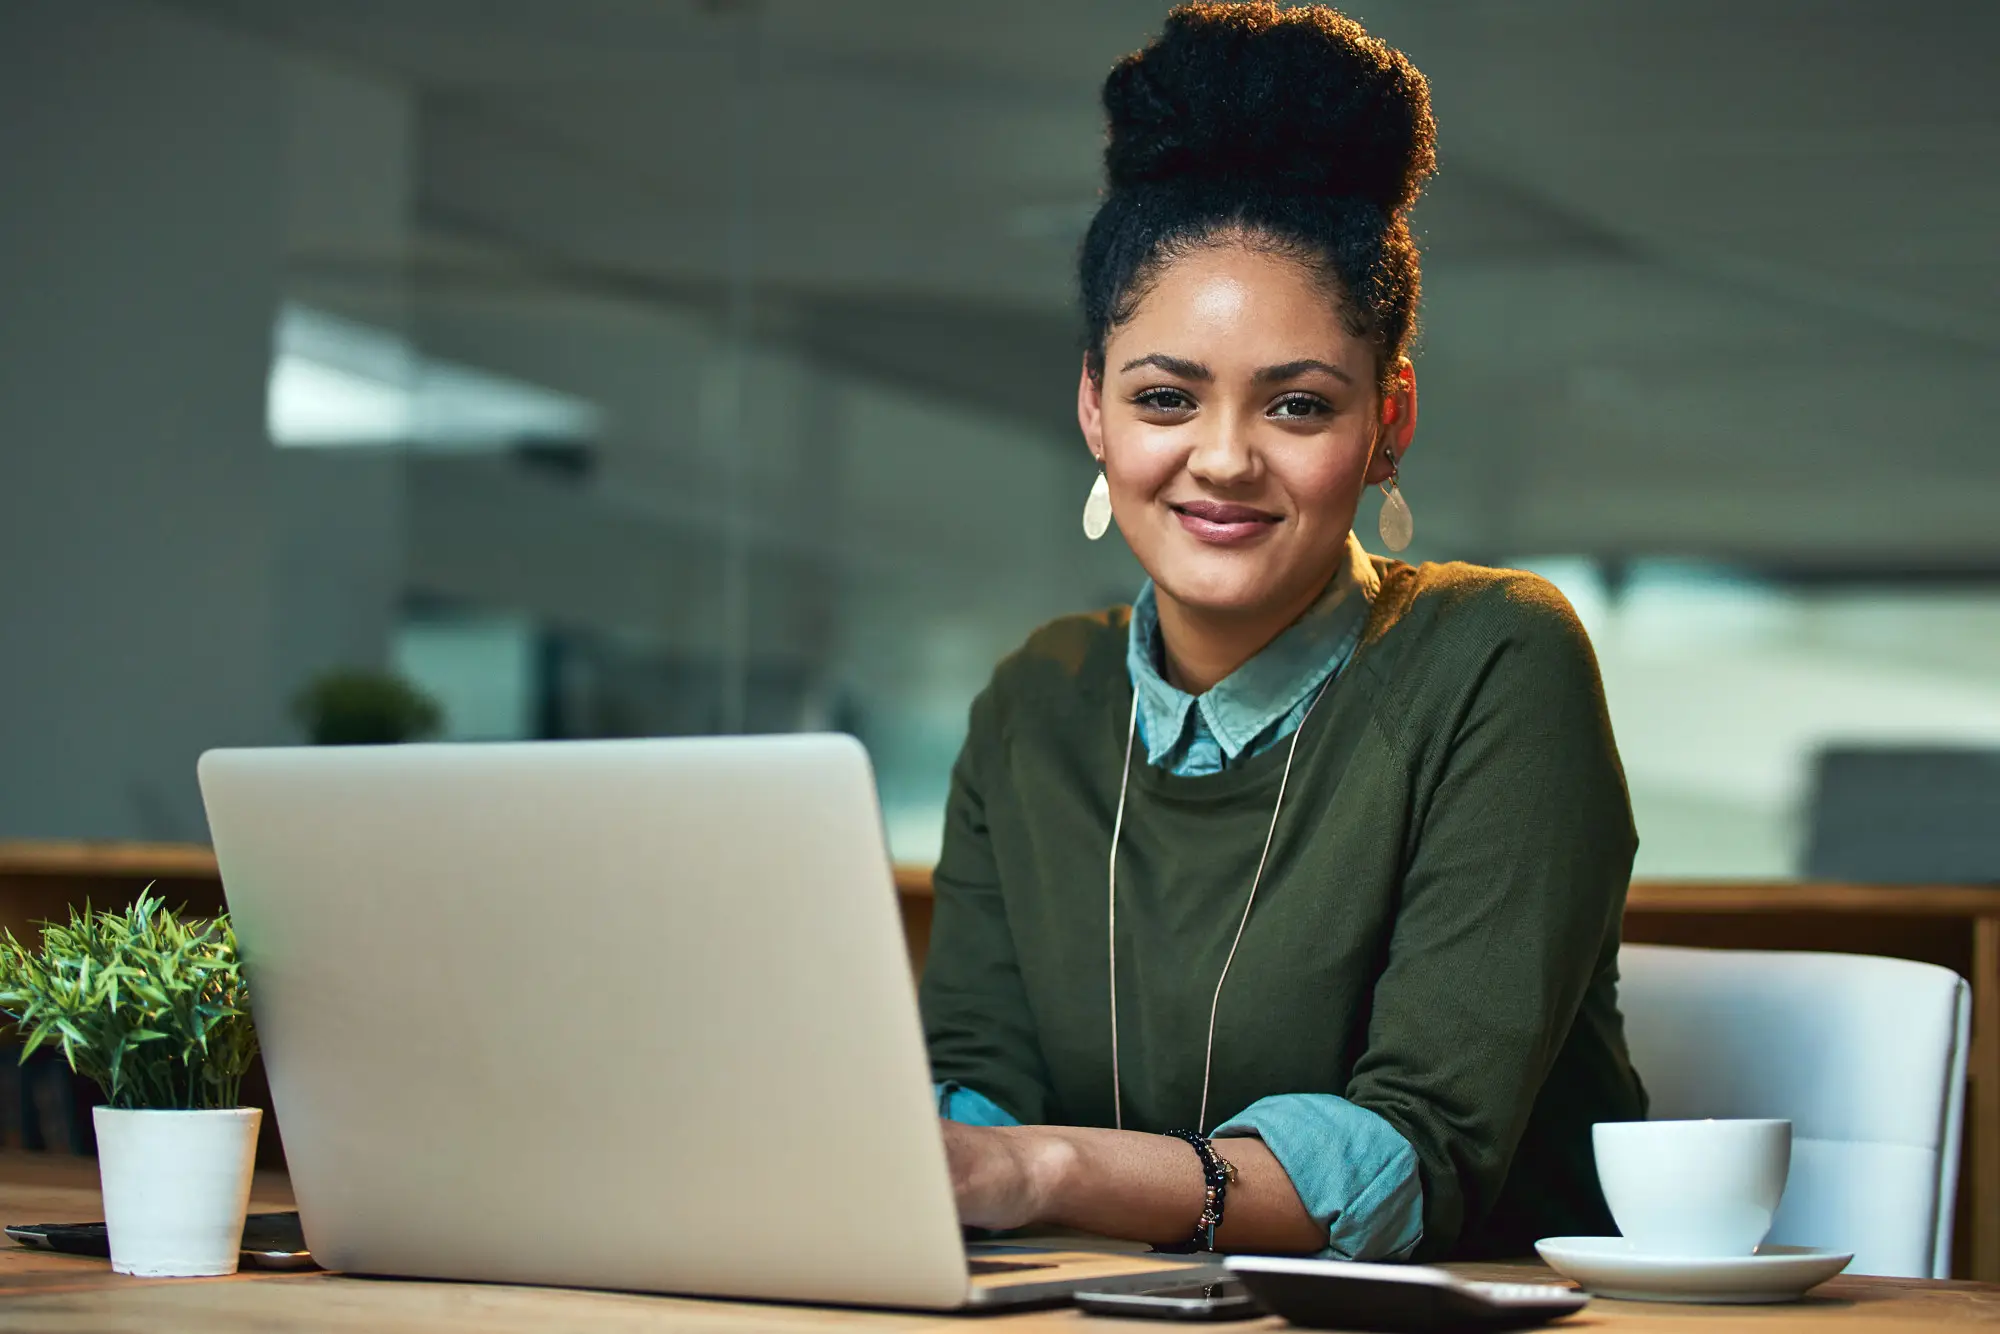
(151, 1007)
(354, 707)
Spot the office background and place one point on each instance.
(632, 367)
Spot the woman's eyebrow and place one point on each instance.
(1185, 369)
(1291, 370)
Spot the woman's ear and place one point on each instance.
(1398, 428)
(1090, 411)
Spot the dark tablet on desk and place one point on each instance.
(1396, 1299)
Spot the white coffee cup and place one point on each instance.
(1693, 1189)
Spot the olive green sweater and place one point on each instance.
(1435, 938)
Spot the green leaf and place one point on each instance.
(152, 1006)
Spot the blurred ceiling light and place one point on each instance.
(336, 383)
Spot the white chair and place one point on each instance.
(1865, 1056)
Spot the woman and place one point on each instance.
(1280, 911)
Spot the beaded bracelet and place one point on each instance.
(1216, 1176)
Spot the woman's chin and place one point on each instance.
(1236, 592)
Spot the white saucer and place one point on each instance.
(1609, 1267)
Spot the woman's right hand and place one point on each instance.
(1002, 1176)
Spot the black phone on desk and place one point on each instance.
(1217, 1299)
(270, 1241)
(1396, 1299)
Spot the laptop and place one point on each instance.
(623, 1014)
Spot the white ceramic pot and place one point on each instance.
(176, 1185)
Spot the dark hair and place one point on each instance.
(1292, 130)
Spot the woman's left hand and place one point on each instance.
(1002, 1176)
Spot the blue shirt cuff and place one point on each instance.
(970, 1107)
(1354, 1173)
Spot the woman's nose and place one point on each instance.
(1223, 454)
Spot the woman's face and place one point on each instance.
(1237, 422)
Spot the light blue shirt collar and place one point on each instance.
(1242, 709)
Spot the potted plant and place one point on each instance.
(154, 1009)
(359, 707)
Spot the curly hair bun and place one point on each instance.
(1296, 101)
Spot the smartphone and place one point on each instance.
(1223, 1299)
(270, 1241)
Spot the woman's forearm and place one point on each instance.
(1121, 1183)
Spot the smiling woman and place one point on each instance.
(1236, 463)
(1278, 911)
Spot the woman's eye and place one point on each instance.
(1163, 400)
(1298, 406)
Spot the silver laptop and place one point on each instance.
(624, 1014)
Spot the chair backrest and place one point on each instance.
(1865, 1056)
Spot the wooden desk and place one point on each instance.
(54, 1294)
(1956, 926)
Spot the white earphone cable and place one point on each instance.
(1117, 829)
(1111, 914)
(1208, 1053)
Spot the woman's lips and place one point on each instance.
(1222, 524)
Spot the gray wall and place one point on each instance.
(140, 254)
(167, 580)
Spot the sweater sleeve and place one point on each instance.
(1514, 882)
(977, 1023)
(970, 1107)
(1355, 1175)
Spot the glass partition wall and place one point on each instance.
(615, 369)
